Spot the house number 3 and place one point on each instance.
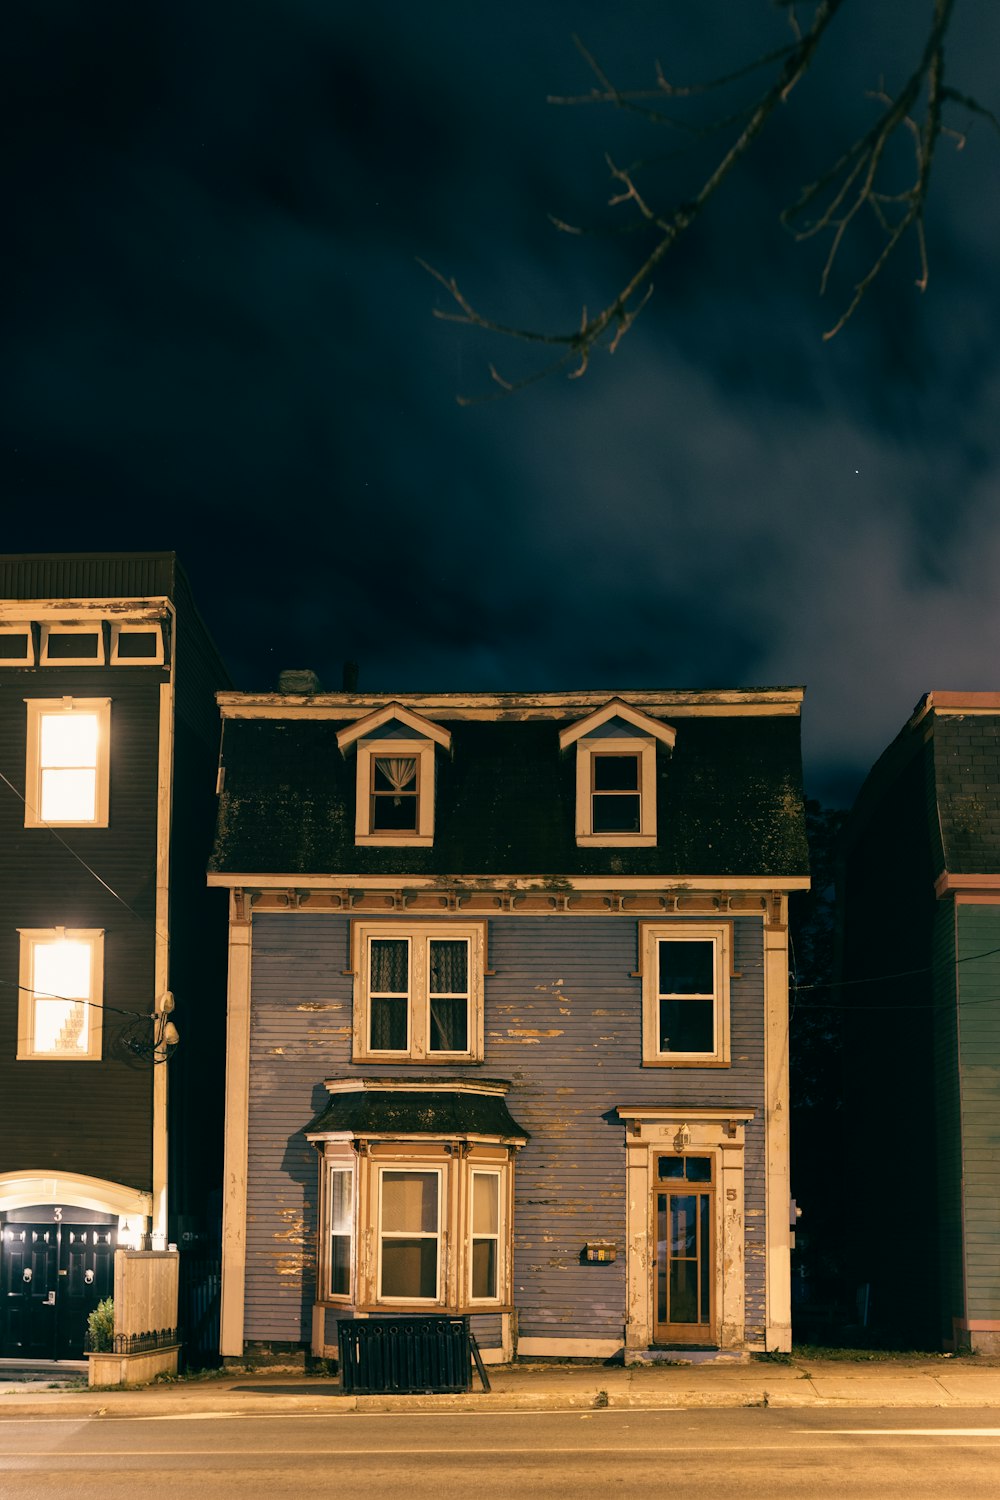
(57, 1214)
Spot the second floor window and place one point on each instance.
(418, 990)
(66, 781)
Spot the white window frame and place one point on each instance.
(15, 628)
(32, 938)
(455, 1162)
(136, 627)
(422, 751)
(645, 750)
(419, 934)
(651, 935)
(647, 734)
(37, 709)
(55, 628)
(475, 1170)
(410, 1168)
(332, 1164)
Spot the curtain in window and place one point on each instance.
(398, 770)
(389, 976)
(448, 965)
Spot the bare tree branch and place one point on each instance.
(831, 203)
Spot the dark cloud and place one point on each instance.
(218, 339)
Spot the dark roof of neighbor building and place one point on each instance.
(729, 801)
(958, 789)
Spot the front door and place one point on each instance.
(51, 1276)
(684, 1219)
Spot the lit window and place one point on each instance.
(685, 978)
(616, 775)
(61, 983)
(72, 646)
(409, 1235)
(139, 645)
(66, 779)
(418, 990)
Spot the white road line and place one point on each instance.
(983, 1432)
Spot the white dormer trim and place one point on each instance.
(615, 708)
(361, 728)
(640, 746)
(417, 746)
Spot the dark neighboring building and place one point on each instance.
(110, 1131)
(921, 957)
(508, 1017)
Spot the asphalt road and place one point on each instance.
(760, 1453)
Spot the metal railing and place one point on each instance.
(422, 1354)
(136, 1343)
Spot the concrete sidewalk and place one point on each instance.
(919, 1382)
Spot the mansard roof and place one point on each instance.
(729, 793)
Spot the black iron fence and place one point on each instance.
(384, 1355)
(136, 1343)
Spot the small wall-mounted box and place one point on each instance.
(596, 1252)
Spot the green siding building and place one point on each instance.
(921, 964)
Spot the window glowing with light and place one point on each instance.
(69, 744)
(62, 975)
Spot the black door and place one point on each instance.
(51, 1276)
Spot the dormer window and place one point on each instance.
(616, 774)
(395, 775)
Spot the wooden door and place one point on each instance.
(684, 1227)
(29, 1266)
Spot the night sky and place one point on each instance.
(217, 339)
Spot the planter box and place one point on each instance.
(132, 1369)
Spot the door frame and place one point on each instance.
(694, 1132)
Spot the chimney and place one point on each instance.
(300, 680)
(349, 683)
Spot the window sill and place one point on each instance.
(617, 840)
(387, 841)
(686, 1062)
(430, 1060)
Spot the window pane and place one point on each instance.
(485, 1203)
(683, 1291)
(133, 645)
(13, 647)
(60, 645)
(341, 1186)
(340, 1265)
(60, 1027)
(409, 1268)
(683, 1225)
(484, 1268)
(393, 773)
(668, 1167)
(687, 968)
(68, 796)
(390, 966)
(449, 967)
(687, 1026)
(705, 1287)
(69, 739)
(615, 813)
(62, 969)
(394, 814)
(616, 773)
(388, 1025)
(410, 1202)
(699, 1168)
(449, 1025)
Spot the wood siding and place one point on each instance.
(563, 1025)
(85, 1117)
(979, 1063)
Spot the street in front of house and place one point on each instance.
(872, 1454)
